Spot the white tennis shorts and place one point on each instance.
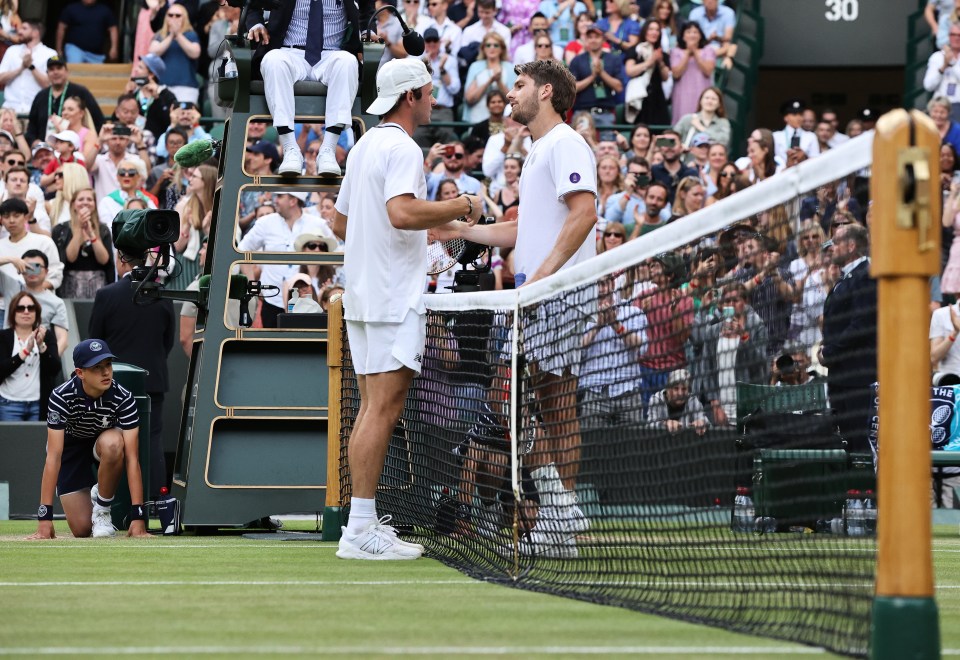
(381, 347)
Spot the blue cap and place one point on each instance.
(155, 63)
(90, 352)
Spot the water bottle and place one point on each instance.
(743, 511)
(869, 514)
(853, 514)
(292, 300)
(229, 67)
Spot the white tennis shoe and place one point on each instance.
(376, 542)
(292, 163)
(327, 164)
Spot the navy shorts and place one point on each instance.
(78, 465)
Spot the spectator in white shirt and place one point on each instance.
(943, 73)
(793, 136)
(446, 85)
(487, 13)
(450, 33)
(277, 232)
(23, 69)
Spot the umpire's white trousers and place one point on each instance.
(337, 69)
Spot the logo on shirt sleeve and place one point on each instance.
(53, 417)
(575, 177)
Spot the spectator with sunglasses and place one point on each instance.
(53, 311)
(321, 275)
(178, 45)
(29, 362)
(131, 173)
(451, 168)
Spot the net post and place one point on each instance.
(332, 504)
(905, 189)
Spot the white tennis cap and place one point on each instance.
(396, 77)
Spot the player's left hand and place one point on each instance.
(138, 529)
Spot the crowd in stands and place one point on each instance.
(67, 170)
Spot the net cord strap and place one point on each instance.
(853, 155)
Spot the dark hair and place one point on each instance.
(176, 130)
(473, 142)
(127, 97)
(646, 26)
(12, 206)
(538, 14)
(30, 254)
(17, 168)
(553, 73)
(693, 24)
(486, 4)
(658, 184)
(36, 25)
(443, 183)
(638, 160)
(495, 93)
(953, 152)
(12, 314)
(673, 132)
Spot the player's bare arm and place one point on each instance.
(131, 458)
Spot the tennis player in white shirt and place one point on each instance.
(554, 230)
(382, 213)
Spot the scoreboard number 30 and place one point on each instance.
(842, 10)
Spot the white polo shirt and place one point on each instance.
(271, 233)
(558, 163)
(384, 266)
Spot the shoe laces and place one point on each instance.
(381, 525)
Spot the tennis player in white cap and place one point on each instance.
(382, 214)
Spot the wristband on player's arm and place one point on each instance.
(45, 512)
(137, 512)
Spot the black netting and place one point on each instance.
(689, 428)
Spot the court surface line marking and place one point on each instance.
(415, 650)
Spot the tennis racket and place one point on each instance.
(444, 255)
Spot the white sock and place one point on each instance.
(289, 142)
(330, 141)
(362, 512)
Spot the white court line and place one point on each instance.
(230, 583)
(414, 650)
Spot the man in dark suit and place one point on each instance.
(141, 335)
(849, 347)
(309, 40)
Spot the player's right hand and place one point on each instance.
(44, 531)
(259, 34)
(445, 232)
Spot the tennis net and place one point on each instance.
(652, 429)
